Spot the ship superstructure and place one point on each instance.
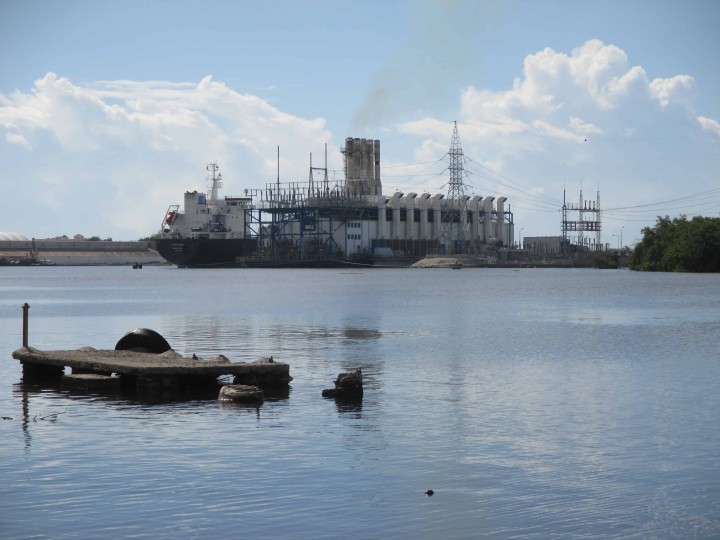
(206, 215)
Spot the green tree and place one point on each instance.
(679, 245)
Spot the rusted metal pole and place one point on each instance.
(25, 308)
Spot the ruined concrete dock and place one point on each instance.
(140, 371)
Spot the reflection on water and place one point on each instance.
(241, 408)
(208, 336)
(534, 403)
(349, 406)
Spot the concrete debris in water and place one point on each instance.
(347, 385)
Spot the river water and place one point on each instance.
(535, 403)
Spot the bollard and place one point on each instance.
(25, 308)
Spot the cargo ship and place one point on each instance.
(210, 231)
(323, 223)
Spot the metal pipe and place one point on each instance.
(25, 308)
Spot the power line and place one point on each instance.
(410, 164)
(521, 187)
(685, 198)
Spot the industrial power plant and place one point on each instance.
(320, 222)
(348, 221)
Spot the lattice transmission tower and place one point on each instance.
(589, 220)
(455, 230)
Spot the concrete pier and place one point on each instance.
(142, 372)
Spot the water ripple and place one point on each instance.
(530, 414)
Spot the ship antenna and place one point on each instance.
(216, 181)
(310, 187)
(325, 178)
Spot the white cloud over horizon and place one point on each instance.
(136, 146)
(108, 157)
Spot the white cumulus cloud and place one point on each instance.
(675, 89)
(133, 147)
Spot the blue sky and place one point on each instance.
(110, 110)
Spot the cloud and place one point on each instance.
(709, 124)
(601, 72)
(580, 126)
(677, 89)
(132, 148)
(593, 90)
(17, 139)
(595, 76)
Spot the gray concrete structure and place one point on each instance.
(78, 252)
(362, 167)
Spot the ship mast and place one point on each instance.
(216, 178)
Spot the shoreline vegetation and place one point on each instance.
(678, 245)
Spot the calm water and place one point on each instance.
(535, 403)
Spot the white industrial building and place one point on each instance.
(355, 218)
